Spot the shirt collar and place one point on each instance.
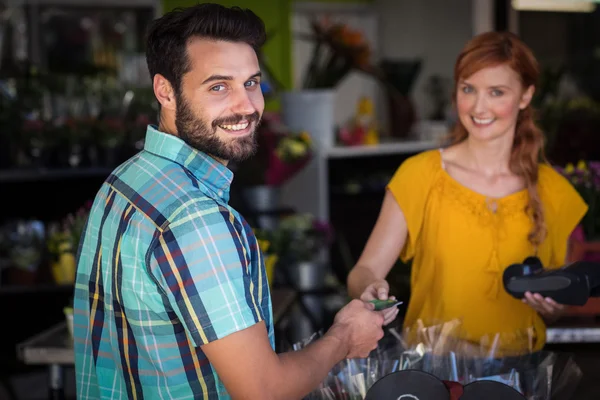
(216, 176)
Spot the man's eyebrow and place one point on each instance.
(213, 78)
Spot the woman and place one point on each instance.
(466, 212)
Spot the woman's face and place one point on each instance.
(488, 102)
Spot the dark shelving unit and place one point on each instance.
(47, 288)
(46, 174)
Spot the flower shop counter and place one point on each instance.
(574, 330)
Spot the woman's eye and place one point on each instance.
(467, 89)
(497, 93)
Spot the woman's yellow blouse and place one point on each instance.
(461, 241)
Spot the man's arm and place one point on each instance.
(251, 370)
(204, 276)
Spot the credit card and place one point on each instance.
(385, 304)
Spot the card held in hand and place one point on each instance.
(385, 304)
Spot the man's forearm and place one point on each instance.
(301, 371)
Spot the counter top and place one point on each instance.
(55, 345)
(574, 330)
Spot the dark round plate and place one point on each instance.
(408, 385)
(490, 390)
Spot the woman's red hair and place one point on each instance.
(504, 48)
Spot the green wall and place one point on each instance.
(276, 14)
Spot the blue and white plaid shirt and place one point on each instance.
(165, 266)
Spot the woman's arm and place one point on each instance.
(381, 251)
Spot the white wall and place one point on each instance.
(434, 30)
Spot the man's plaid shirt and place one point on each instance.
(165, 266)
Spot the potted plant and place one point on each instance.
(571, 127)
(280, 156)
(23, 242)
(301, 242)
(110, 134)
(63, 244)
(338, 50)
(584, 243)
(436, 126)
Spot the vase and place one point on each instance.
(306, 277)
(402, 75)
(63, 270)
(311, 111)
(432, 131)
(402, 115)
(261, 204)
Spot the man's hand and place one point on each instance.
(379, 290)
(355, 333)
(358, 328)
(548, 309)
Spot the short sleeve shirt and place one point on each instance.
(165, 265)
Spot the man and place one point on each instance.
(171, 297)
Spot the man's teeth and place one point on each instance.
(483, 121)
(236, 127)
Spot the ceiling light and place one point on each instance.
(554, 5)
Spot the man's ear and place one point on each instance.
(164, 92)
(526, 98)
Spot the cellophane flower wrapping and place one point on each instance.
(437, 349)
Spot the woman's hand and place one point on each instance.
(379, 290)
(548, 309)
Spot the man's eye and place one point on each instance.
(217, 88)
(251, 83)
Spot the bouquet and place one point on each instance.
(585, 177)
(338, 50)
(281, 154)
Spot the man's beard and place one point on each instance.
(203, 136)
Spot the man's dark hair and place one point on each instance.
(168, 36)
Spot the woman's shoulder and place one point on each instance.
(556, 191)
(423, 162)
(549, 179)
(417, 170)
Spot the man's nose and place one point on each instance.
(242, 103)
